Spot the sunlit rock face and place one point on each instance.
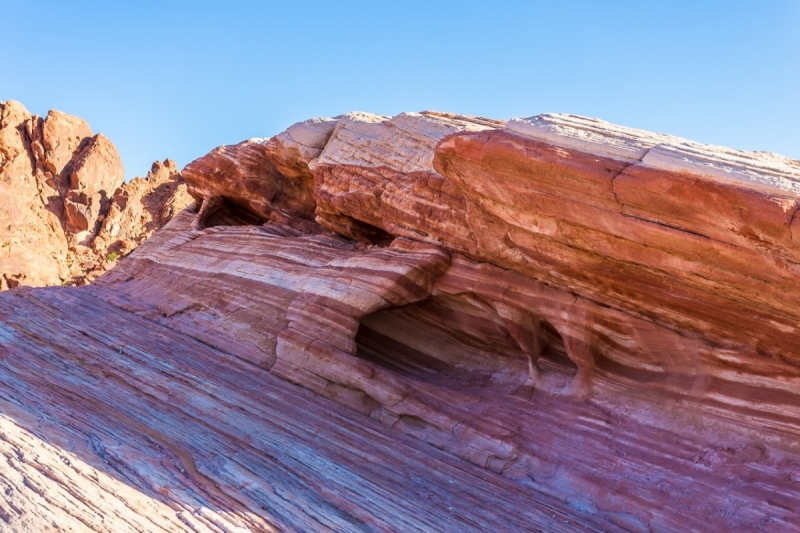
(58, 184)
(140, 207)
(595, 326)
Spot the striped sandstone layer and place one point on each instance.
(642, 272)
(595, 326)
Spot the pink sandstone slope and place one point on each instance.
(429, 322)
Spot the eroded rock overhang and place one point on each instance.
(520, 295)
(692, 237)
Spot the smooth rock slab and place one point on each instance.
(111, 422)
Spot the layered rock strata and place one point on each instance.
(58, 184)
(607, 265)
(594, 325)
(113, 422)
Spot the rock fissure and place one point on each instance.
(791, 222)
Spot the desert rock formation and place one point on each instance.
(426, 322)
(58, 184)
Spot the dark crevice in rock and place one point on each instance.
(554, 360)
(225, 212)
(447, 341)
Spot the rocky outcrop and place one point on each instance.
(33, 247)
(59, 183)
(140, 207)
(596, 326)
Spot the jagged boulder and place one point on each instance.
(58, 184)
(140, 207)
(33, 246)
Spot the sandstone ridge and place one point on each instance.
(59, 183)
(428, 321)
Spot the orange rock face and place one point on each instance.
(59, 184)
(140, 207)
(597, 325)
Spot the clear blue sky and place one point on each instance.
(175, 79)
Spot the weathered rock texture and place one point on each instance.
(58, 184)
(140, 207)
(595, 327)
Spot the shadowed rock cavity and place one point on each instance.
(220, 211)
(461, 343)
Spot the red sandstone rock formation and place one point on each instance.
(140, 207)
(58, 183)
(596, 327)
